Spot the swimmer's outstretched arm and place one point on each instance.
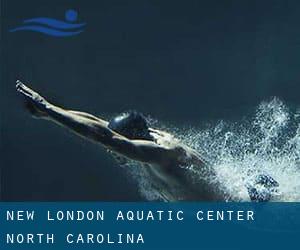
(95, 129)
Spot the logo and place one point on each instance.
(53, 27)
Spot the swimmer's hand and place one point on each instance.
(35, 103)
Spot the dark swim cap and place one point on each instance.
(132, 125)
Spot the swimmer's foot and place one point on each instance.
(263, 188)
(34, 103)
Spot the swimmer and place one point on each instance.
(129, 136)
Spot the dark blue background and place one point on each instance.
(276, 226)
(182, 62)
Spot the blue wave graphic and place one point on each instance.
(47, 31)
(53, 23)
(53, 27)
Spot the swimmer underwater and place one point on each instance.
(165, 157)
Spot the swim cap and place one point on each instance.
(132, 125)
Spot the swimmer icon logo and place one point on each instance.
(53, 27)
